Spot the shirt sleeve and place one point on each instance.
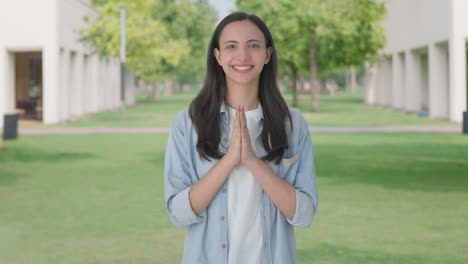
(305, 183)
(177, 180)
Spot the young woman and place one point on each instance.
(239, 170)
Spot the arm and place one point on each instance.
(203, 191)
(298, 202)
(281, 192)
(186, 201)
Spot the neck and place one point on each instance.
(242, 95)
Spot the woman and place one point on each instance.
(239, 169)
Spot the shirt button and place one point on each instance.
(223, 245)
(222, 218)
(223, 190)
(225, 140)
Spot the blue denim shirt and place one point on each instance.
(206, 237)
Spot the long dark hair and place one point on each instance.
(204, 110)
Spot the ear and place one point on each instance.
(269, 50)
(217, 55)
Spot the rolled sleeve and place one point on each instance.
(305, 183)
(305, 210)
(182, 211)
(177, 176)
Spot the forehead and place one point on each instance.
(241, 31)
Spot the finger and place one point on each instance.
(239, 114)
(236, 118)
(244, 122)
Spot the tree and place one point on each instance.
(335, 33)
(163, 36)
(192, 21)
(278, 16)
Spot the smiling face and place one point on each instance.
(242, 53)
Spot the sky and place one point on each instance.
(224, 7)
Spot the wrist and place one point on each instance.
(249, 163)
(229, 161)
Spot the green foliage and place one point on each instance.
(163, 37)
(192, 22)
(344, 32)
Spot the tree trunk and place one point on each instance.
(313, 77)
(294, 83)
(156, 92)
(353, 80)
(348, 81)
(168, 87)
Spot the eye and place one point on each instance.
(230, 46)
(255, 45)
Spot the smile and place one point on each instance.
(242, 68)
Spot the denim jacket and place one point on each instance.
(206, 237)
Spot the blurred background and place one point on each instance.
(382, 85)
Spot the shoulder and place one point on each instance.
(297, 118)
(181, 119)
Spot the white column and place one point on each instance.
(114, 79)
(101, 90)
(71, 86)
(413, 86)
(78, 85)
(116, 74)
(3, 82)
(457, 61)
(7, 83)
(438, 81)
(50, 71)
(86, 93)
(94, 81)
(398, 80)
(380, 83)
(424, 81)
(64, 105)
(388, 82)
(51, 84)
(370, 83)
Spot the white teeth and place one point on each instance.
(242, 68)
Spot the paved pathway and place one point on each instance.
(116, 130)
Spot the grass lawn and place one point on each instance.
(384, 198)
(344, 110)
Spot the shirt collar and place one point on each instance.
(225, 109)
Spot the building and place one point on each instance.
(46, 73)
(424, 65)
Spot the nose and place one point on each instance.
(243, 54)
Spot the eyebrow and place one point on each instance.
(248, 41)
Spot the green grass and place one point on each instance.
(384, 198)
(343, 110)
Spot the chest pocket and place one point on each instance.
(288, 168)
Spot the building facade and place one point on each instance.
(46, 73)
(424, 65)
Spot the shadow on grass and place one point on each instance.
(26, 155)
(411, 166)
(15, 156)
(327, 253)
(8, 176)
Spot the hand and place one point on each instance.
(240, 150)
(234, 151)
(247, 153)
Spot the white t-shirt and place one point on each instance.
(245, 233)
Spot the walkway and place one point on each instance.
(117, 130)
